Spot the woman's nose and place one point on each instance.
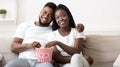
(60, 18)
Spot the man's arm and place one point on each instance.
(80, 27)
(18, 47)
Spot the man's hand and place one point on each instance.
(80, 27)
(36, 45)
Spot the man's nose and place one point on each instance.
(45, 15)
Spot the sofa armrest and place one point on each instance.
(5, 50)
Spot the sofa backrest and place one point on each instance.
(104, 49)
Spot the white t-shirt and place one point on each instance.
(30, 33)
(68, 40)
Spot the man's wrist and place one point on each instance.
(28, 46)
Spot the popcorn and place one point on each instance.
(44, 54)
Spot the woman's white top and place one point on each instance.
(68, 40)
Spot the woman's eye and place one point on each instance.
(56, 17)
(64, 15)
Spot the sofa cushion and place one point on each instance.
(104, 49)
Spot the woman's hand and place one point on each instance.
(51, 44)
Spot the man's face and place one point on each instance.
(45, 16)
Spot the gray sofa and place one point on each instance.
(103, 48)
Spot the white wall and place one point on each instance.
(10, 6)
(7, 25)
(96, 15)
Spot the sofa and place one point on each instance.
(104, 49)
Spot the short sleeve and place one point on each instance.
(79, 34)
(20, 31)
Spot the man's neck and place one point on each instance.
(38, 24)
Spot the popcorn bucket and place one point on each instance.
(44, 54)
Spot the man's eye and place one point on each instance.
(43, 11)
(50, 15)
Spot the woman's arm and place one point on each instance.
(59, 58)
(72, 50)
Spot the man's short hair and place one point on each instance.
(51, 5)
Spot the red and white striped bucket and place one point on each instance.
(44, 54)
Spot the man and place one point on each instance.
(30, 36)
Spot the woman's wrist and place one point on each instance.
(58, 43)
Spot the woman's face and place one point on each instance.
(62, 18)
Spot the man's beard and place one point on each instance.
(43, 24)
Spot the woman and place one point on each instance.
(66, 41)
